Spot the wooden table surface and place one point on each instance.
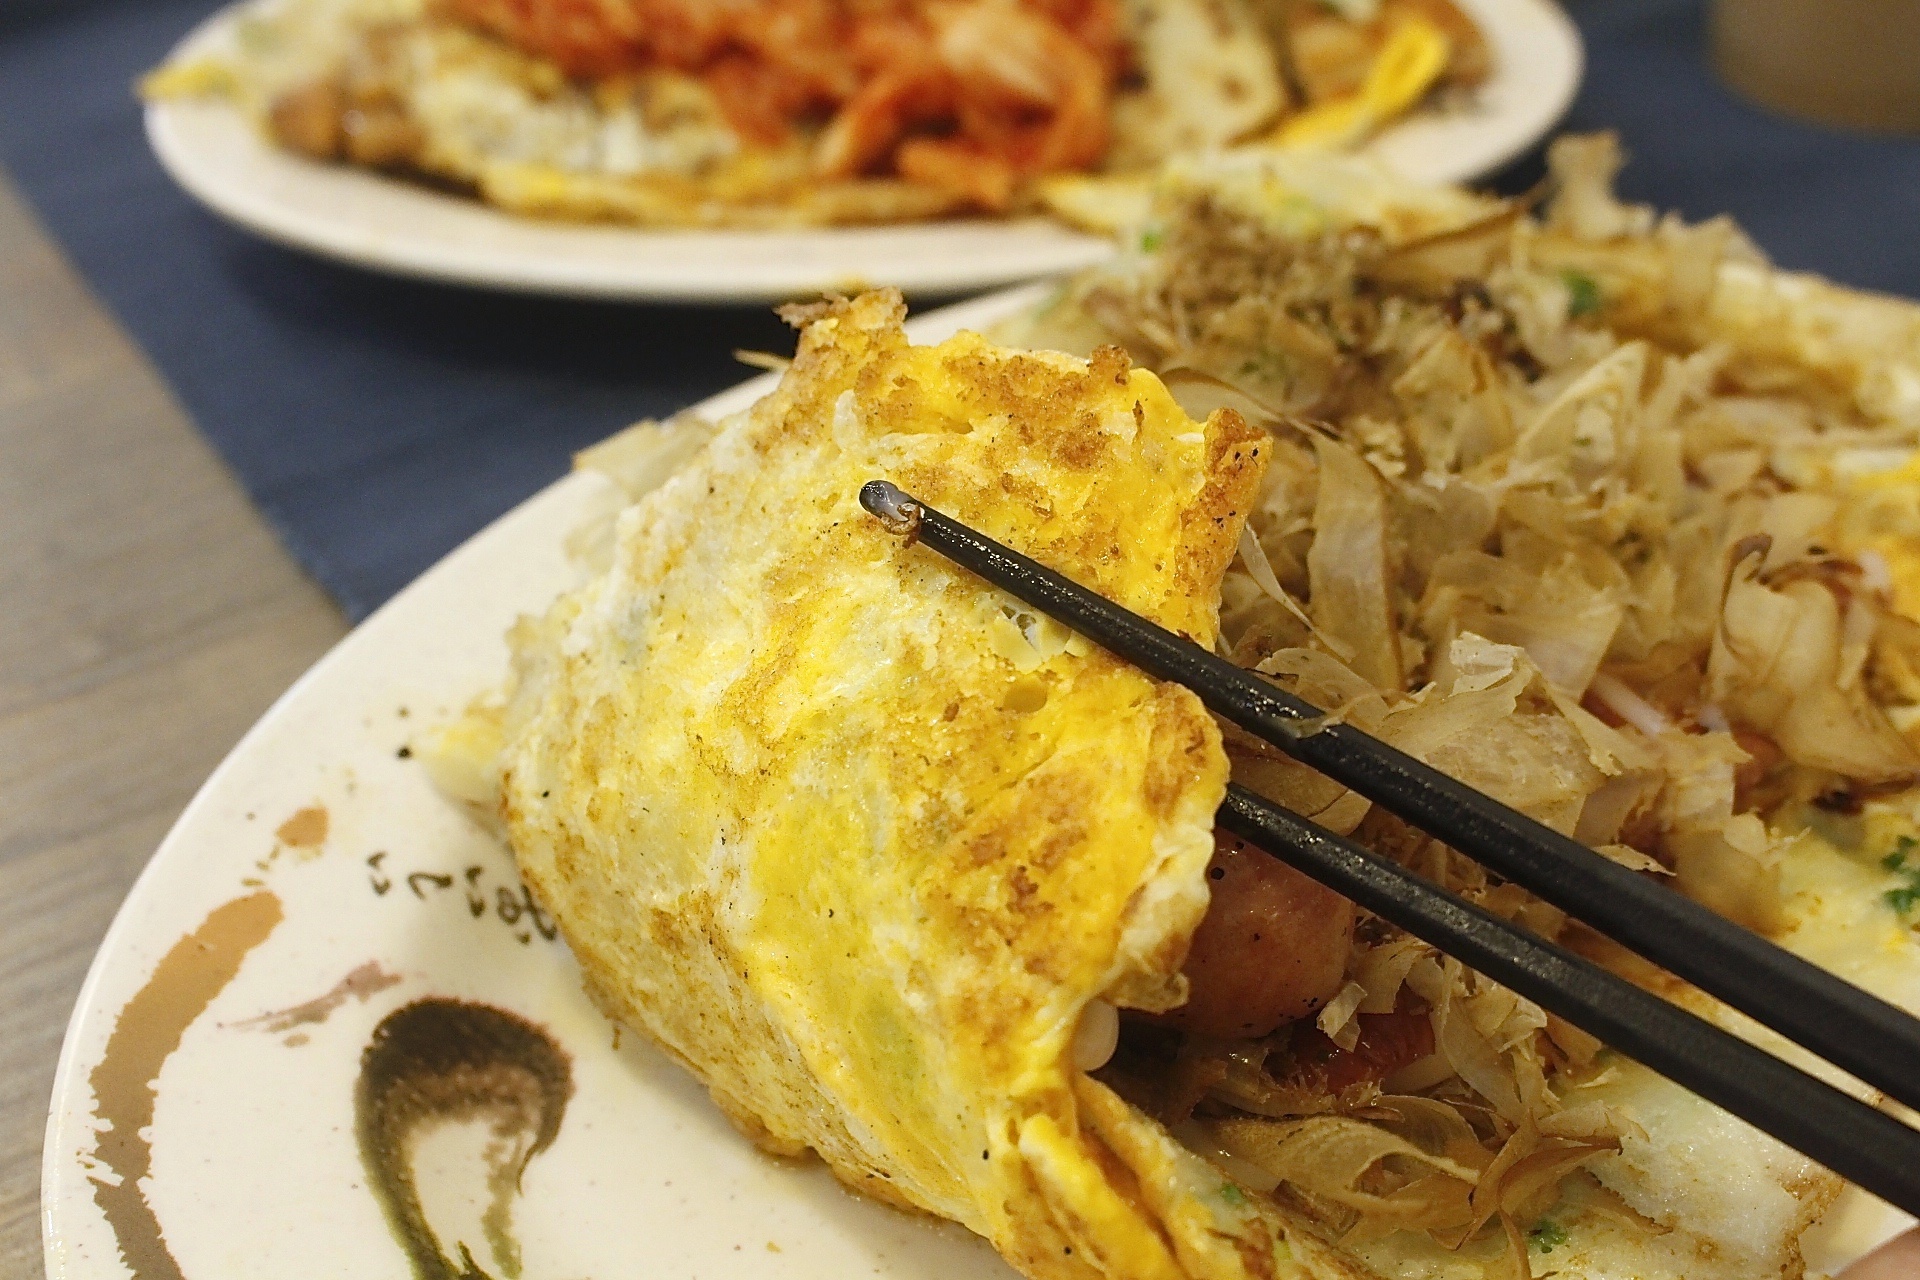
(147, 617)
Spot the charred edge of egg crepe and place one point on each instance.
(856, 838)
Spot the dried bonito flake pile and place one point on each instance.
(1594, 510)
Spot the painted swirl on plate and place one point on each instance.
(439, 1061)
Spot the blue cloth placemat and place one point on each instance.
(1846, 205)
(379, 422)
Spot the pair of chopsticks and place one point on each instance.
(1855, 1031)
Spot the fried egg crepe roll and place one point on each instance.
(858, 838)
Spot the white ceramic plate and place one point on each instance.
(389, 225)
(317, 890)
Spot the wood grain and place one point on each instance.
(147, 617)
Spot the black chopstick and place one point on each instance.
(1860, 1144)
(1856, 1031)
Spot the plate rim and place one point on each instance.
(255, 212)
(1551, 110)
(936, 275)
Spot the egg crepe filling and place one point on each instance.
(804, 112)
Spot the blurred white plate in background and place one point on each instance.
(387, 224)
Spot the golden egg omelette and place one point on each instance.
(857, 838)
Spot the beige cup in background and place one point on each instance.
(1844, 62)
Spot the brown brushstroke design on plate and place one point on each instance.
(306, 829)
(145, 1034)
(362, 984)
(441, 1060)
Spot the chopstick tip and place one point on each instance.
(891, 506)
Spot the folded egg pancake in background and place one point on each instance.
(811, 112)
